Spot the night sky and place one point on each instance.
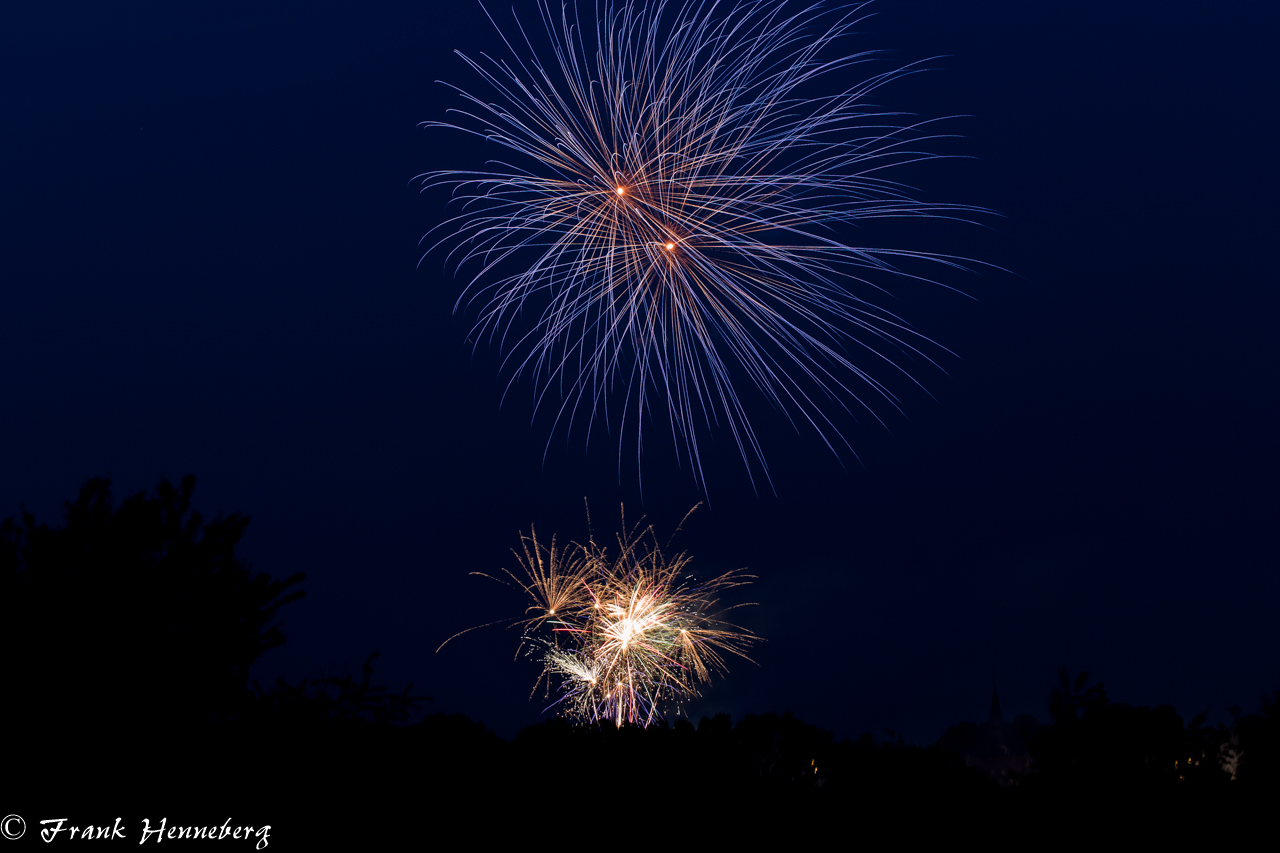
(210, 265)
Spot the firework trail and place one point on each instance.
(680, 183)
(622, 635)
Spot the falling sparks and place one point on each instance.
(624, 634)
(739, 130)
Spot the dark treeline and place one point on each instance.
(129, 631)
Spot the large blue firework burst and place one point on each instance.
(677, 188)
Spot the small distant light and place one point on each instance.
(671, 246)
(620, 190)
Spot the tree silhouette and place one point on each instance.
(338, 699)
(1256, 745)
(1095, 746)
(137, 617)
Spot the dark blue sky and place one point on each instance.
(209, 265)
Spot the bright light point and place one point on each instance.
(619, 190)
(671, 246)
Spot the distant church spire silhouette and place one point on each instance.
(996, 747)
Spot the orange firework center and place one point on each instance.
(641, 213)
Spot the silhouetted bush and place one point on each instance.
(137, 618)
(1095, 747)
(1255, 745)
(335, 700)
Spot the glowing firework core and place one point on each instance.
(622, 636)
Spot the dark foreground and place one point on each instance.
(370, 785)
(128, 635)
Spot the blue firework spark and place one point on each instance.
(677, 187)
